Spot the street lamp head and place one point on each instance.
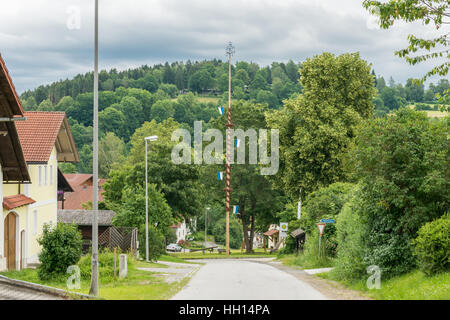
(152, 138)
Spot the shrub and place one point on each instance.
(155, 242)
(61, 248)
(432, 246)
(401, 163)
(105, 265)
(350, 230)
(422, 106)
(325, 203)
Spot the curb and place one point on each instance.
(46, 289)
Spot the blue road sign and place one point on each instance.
(327, 220)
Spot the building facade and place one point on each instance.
(45, 139)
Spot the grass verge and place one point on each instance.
(139, 285)
(411, 286)
(303, 261)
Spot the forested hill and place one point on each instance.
(185, 92)
(199, 77)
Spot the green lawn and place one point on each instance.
(411, 286)
(139, 285)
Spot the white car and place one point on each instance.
(173, 247)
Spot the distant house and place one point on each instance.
(182, 230)
(81, 185)
(273, 235)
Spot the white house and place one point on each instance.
(182, 230)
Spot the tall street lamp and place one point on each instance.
(151, 138)
(94, 274)
(206, 215)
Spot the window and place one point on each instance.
(40, 175)
(51, 175)
(45, 175)
(35, 222)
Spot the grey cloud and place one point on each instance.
(38, 47)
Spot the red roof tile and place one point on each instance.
(38, 134)
(19, 200)
(82, 187)
(76, 179)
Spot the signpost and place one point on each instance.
(321, 227)
(283, 229)
(327, 220)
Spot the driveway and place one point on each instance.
(239, 279)
(174, 271)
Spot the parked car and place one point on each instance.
(173, 247)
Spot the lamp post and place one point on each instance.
(151, 138)
(94, 274)
(206, 215)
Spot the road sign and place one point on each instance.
(321, 227)
(283, 229)
(327, 220)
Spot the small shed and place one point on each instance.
(300, 236)
(83, 218)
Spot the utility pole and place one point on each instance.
(151, 138)
(94, 275)
(229, 52)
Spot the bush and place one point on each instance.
(422, 106)
(432, 246)
(155, 242)
(105, 265)
(350, 230)
(61, 248)
(401, 163)
(325, 203)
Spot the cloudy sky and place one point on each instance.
(41, 40)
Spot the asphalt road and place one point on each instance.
(239, 279)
